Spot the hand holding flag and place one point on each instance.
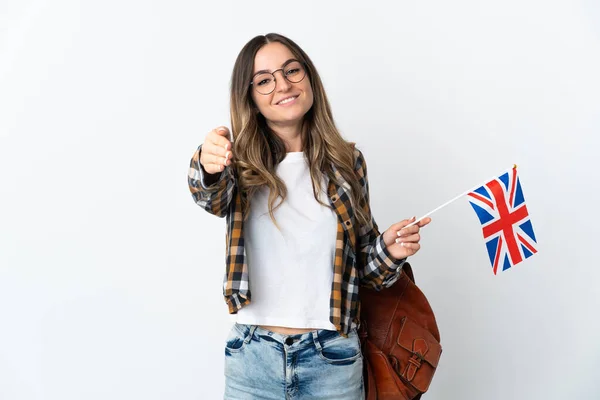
(402, 240)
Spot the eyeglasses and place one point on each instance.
(264, 82)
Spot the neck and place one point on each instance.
(290, 134)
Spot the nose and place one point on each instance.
(281, 83)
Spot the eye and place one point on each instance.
(292, 71)
(263, 82)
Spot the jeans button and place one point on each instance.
(289, 341)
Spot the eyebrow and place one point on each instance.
(282, 65)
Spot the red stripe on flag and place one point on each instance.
(505, 221)
(498, 251)
(527, 244)
(482, 199)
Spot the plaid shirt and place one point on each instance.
(361, 256)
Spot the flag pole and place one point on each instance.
(459, 196)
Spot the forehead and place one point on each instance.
(271, 56)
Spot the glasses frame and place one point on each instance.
(282, 73)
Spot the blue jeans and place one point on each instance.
(321, 364)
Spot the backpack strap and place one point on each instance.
(407, 269)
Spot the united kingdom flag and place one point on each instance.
(505, 220)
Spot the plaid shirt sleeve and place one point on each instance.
(377, 267)
(214, 198)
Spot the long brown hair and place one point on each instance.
(258, 149)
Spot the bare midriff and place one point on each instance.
(284, 330)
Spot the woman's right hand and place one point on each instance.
(216, 151)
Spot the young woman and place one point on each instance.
(300, 237)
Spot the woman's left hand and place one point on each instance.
(403, 242)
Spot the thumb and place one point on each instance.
(223, 131)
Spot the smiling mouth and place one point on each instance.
(287, 100)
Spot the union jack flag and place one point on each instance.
(505, 221)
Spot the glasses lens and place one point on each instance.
(294, 72)
(264, 83)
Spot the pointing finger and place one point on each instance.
(399, 225)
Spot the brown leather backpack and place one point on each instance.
(400, 340)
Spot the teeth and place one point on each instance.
(287, 100)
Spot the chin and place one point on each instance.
(293, 114)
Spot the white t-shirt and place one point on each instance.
(291, 270)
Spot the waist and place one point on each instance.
(285, 330)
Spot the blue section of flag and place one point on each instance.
(482, 191)
(507, 264)
(504, 180)
(526, 252)
(483, 215)
(492, 246)
(519, 199)
(528, 229)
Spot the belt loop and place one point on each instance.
(250, 334)
(315, 336)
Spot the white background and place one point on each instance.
(110, 275)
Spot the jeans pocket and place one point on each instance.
(341, 350)
(237, 339)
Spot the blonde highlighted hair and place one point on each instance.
(258, 149)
